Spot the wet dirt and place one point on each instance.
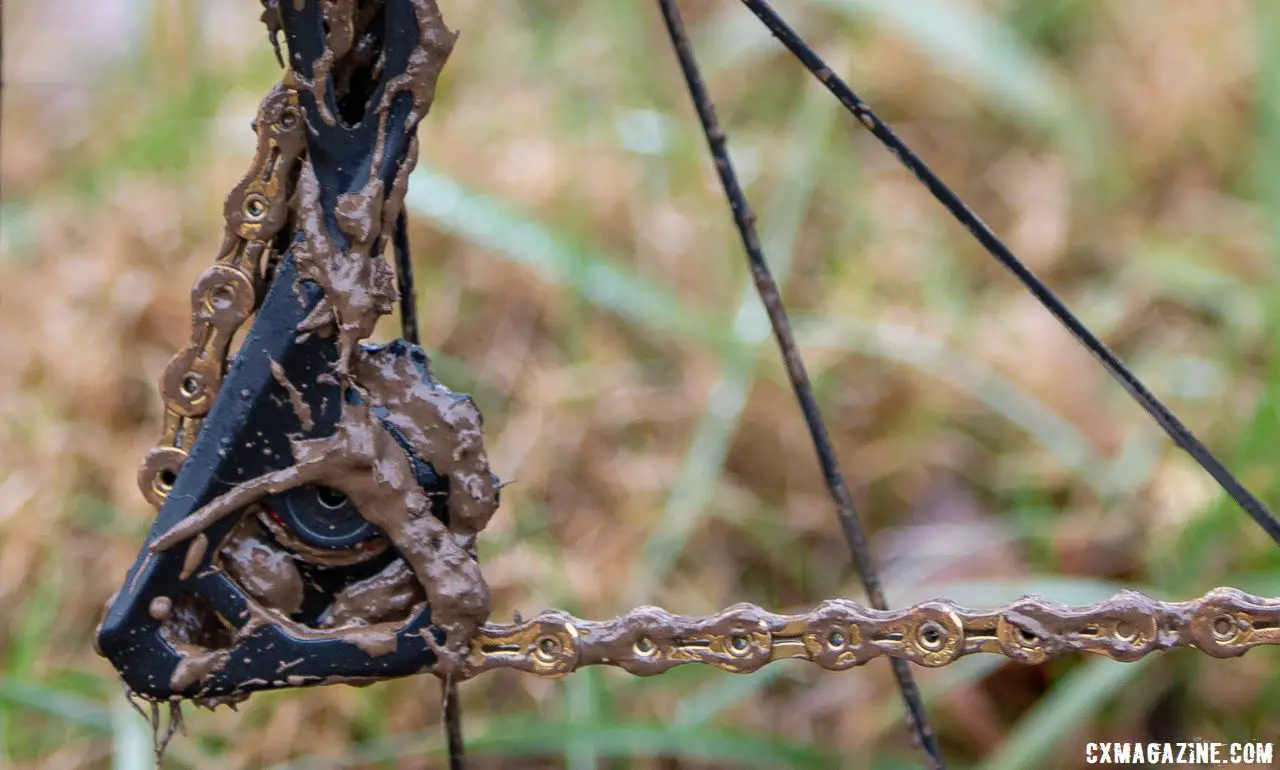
(161, 608)
(440, 425)
(301, 409)
(265, 571)
(195, 555)
(201, 641)
(362, 459)
(358, 288)
(388, 595)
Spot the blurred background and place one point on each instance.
(579, 274)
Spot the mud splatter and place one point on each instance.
(301, 409)
(230, 700)
(440, 425)
(161, 608)
(363, 460)
(375, 642)
(199, 638)
(196, 665)
(389, 594)
(266, 572)
(195, 555)
(358, 288)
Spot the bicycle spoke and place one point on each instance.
(770, 296)
(450, 702)
(453, 725)
(1180, 434)
(404, 281)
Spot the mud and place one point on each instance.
(258, 207)
(359, 286)
(196, 665)
(388, 595)
(441, 426)
(195, 555)
(435, 44)
(230, 700)
(255, 212)
(373, 641)
(200, 639)
(265, 571)
(271, 18)
(161, 608)
(365, 462)
(301, 409)
(362, 458)
(358, 289)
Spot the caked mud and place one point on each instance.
(394, 415)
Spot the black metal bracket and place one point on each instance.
(246, 434)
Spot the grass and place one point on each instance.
(579, 273)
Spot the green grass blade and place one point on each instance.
(22, 694)
(497, 226)
(1075, 699)
(980, 50)
(640, 740)
(130, 739)
(522, 737)
(1267, 135)
(579, 710)
(988, 594)
(613, 287)
(704, 459)
(723, 692)
(908, 346)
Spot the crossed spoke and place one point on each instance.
(767, 288)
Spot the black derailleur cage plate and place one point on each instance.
(246, 434)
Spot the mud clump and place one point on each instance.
(364, 461)
(397, 416)
(265, 571)
(202, 641)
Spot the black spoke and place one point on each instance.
(404, 281)
(769, 295)
(453, 725)
(451, 704)
(996, 248)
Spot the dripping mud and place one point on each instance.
(399, 412)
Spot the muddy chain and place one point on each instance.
(839, 634)
(225, 295)
(835, 635)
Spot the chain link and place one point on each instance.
(225, 295)
(840, 634)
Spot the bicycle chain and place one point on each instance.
(839, 634)
(226, 295)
